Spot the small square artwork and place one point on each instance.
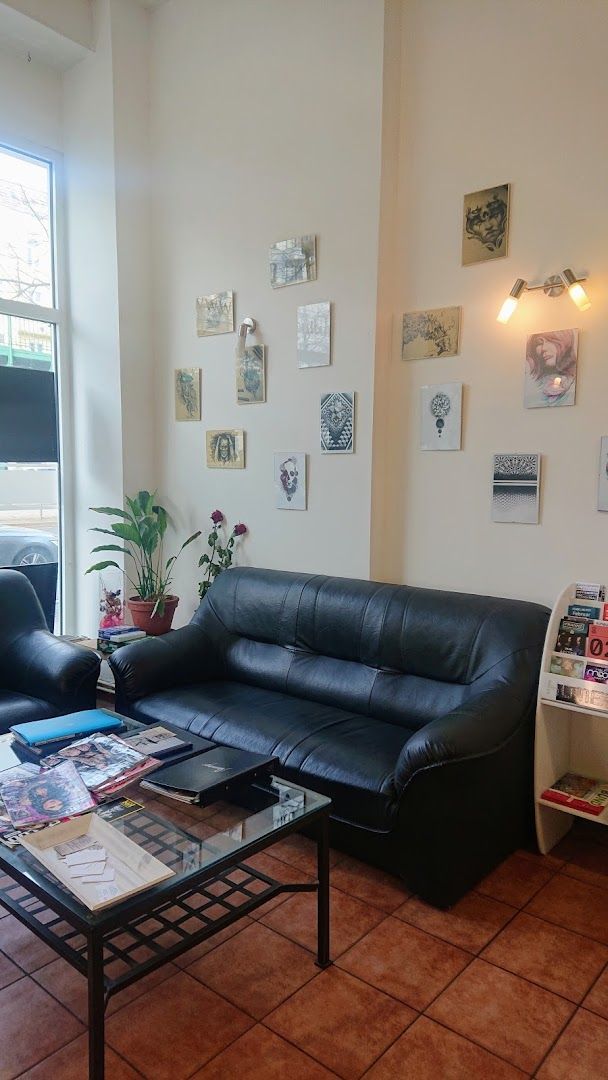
(251, 375)
(290, 480)
(314, 335)
(293, 261)
(431, 333)
(215, 314)
(485, 229)
(440, 416)
(602, 486)
(226, 449)
(550, 369)
(516, 488)
(187, 393)
(337, 423)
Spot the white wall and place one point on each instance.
(70, 18)
(30, 103)
(266, 123)
(495, 92)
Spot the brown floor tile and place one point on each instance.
(581, 1053)
(549, 955)
(428, 1051)
(597, 998)
(22, 946)
(256, 970)
(350, 919)
(72, 1063)
(259, 1054)
(211, 943)
(551, 862)
(405, 962)
(8, 972)
(341, 1022)
(470, 924)
(516, 880)
(280, 871)
(572, 904)
(507, 1015)
(193, 1023)
(589, 863)
(299, 851)
(70, 987)
(32, 1026)
(367, 883)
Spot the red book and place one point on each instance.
(596, 644)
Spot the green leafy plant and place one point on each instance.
(142, 529)
(221, 554)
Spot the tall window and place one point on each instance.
(29, 316)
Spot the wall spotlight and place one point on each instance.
(248, 326)
(553, 286)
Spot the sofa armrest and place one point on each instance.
(179, 658)
(41, 665)
(479, 726)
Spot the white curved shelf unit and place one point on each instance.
(569, 738)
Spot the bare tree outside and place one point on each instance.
(25, 231)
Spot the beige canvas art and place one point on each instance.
(431, 333)
(188, 394)
(485, 226)
(226, 449)
(215, 314)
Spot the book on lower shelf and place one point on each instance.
(582, 793)
(585, 693)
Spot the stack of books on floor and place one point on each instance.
(113, 637)
(581, 793)
(578, 669)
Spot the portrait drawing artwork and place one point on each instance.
(290, 480)
(485, 229)
(550, 370)
(226, 449)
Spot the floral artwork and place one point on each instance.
(215, 314)
(226, 449)
(251, 375)
(550, 370)
(188, 394)
(485, 228)
(430, 333)
(290, 480)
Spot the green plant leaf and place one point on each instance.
(134, 507)
(127, 532)
(111, 547)
(113, 511)
(203, 559)
(103, 566)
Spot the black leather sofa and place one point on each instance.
(412, 708)
(40, 675)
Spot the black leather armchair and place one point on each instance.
(40, 675)
(413, 709)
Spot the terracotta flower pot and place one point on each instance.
(141, 613)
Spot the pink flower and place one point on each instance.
(217, 517)
(240, 529)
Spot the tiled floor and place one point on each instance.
(512, 982)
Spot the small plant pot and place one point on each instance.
(143, 619)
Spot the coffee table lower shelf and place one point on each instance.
(113, 960)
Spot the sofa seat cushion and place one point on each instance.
(20, 709)
(330, 750)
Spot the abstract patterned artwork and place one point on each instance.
(516, 488)
(337, 423)
(440, 416)
(187, 393)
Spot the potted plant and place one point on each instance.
(142, 528)
(221, 555)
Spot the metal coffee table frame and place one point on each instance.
(121, 944)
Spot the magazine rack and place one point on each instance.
(569, 738)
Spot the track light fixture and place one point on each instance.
(553, 286)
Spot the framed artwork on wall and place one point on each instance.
(550, 369)
(435, 332)
(293, 261)
(440, 416)
(251, 375)
(215, 314)
(516, 488)
(338, 423)
(187, 393)
(602, 485)
(314, 335)
(290, 480)
(485, 226)
(226, 449)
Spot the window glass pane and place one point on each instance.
(29, 517)
(26, 343)
(25, 230)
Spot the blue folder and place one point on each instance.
(88, 722)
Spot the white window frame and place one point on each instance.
(58, 317)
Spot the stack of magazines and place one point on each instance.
(104, 763)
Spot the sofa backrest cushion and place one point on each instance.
(397, 653)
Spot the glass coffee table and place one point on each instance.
(213, 885)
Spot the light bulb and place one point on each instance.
(511, 302)
(507, 309)
(576, 291)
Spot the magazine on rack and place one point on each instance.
(579, 793)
